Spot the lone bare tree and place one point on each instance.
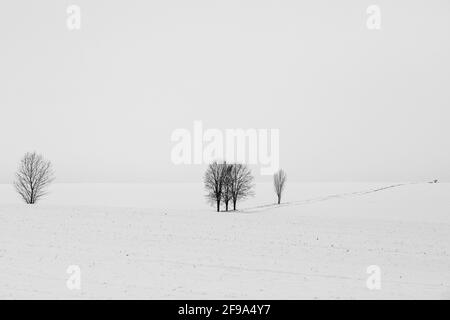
(241, 183)
(214, 180)
(279, 181)
(33, 177)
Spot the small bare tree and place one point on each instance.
(214, 181)
(241, 183)
(279, 181)
(33, 177)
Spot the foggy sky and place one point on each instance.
(351, 104)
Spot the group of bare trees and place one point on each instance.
(227, 183)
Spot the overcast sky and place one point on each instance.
(351, 104)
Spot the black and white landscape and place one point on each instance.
(225, 149)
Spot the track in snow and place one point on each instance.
(321, 199)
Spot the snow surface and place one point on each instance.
(164, 242)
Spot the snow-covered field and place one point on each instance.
(164, 242)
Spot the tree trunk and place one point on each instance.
(226, 206)
(279, 199)
(234, 205)
(218, 205)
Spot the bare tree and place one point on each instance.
(279, 180)
(241, 183)
(33, 177)
(227, 185)
(214, 181)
